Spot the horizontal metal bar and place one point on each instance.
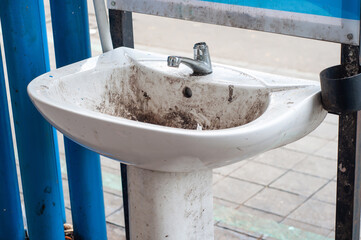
(305, 25)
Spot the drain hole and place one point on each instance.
(187, 92)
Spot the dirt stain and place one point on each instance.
(162, 101)
(230, 88)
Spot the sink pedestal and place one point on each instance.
(173, 206)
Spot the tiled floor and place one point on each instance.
(285, 194)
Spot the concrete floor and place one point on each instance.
(287, 193)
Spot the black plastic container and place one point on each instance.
(340, 93)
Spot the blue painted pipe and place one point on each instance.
(86, 192)
(72, 44)
(26, 51)
(11, 218)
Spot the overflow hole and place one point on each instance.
(187, 92)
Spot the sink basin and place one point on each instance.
(128, 105)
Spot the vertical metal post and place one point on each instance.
(121, 29)
(11, 218)
(26, 51)
(349, 162)
(72, 44)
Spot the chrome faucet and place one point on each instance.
(201, 64)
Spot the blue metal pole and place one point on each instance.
(86, 192)
(26, 51)
(72, 44)
(11, 218)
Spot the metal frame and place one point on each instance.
(303, 18)
(349, 163)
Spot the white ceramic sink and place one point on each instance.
(128, 105)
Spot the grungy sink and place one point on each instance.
(128, 105)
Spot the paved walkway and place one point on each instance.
(287, 193)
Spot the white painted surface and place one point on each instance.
(69, 99)
(174, 206)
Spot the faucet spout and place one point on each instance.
(201, 64)
(198, 67)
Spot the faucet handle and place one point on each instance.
(200, 45)
(201, 53)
